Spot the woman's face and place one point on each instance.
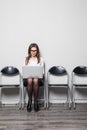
(33, 51)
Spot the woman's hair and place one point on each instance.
(29, 52)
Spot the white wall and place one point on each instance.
(58, 26)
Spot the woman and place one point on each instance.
(33, 59)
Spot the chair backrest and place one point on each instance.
(79, 75)
(10, 76)
(58, 70)
(10, 71)
(80, 70)
(57, 75)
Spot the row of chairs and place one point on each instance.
(57, 76)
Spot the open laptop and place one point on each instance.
(32, 71)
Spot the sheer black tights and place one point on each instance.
(33, 86)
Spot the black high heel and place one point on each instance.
(29, 106)
(36, 106)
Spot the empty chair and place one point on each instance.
(58, 77)
(10, 78)
(79, 80)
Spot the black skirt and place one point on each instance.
(40, 82)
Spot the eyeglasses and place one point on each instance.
(33, 50)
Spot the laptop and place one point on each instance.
(32, 71)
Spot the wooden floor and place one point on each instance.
(57, 117)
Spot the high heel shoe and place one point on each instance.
(29, 106)
(36, 106)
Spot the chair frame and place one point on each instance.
(74, 86)
(59, 86)
(13, 86)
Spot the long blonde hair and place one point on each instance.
(29, 53)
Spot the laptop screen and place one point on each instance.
(32, 71)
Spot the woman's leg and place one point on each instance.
(36, 91)
(30, 82)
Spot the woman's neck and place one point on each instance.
(33, 57)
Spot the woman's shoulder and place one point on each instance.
(25, 61)
(41, 58)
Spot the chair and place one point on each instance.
(79, 80)
(24, 86)
(10, 78)
(58, 77)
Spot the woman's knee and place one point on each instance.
(29, 81)
(35, 81)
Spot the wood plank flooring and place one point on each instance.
(57, 117)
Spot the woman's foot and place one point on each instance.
(36, 106)
(29, 106)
